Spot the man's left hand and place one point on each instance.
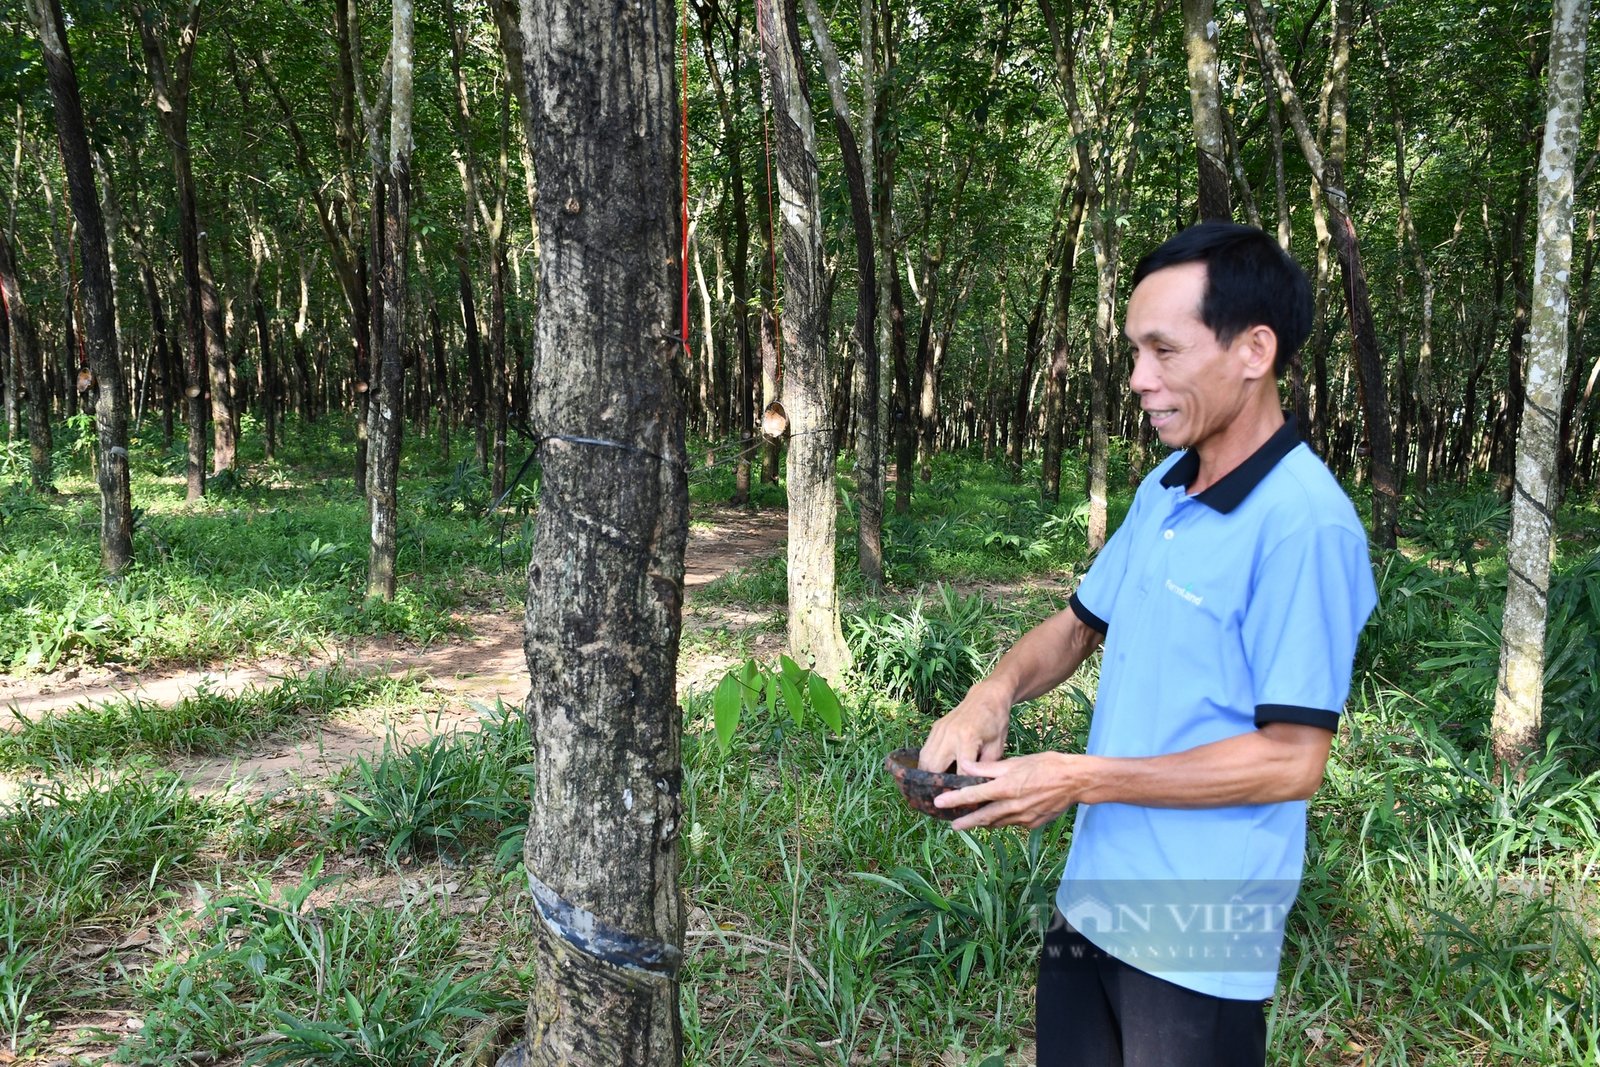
(1025, 791)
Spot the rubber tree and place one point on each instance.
(815, 637)
(100, 329)
(1328, 171)
(1519, 693)
(1205, 105)
(387, 416)
(605, 586)
(869, 457)
(171, 80)
(27, 381)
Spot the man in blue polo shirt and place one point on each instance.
(1228, 602)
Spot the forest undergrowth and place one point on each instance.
(1449, 912)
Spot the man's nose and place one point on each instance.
(1142, 378)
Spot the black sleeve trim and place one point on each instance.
(1328, 720)
(1087, 617)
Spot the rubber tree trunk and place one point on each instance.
(1519, 694)
(224, 433)
(171, 89)
(1205, 105)
(815, 637)
(869, 459)
(1329, 174)
(388, 414)
(28, 381)
(105, 363)
(606, 582)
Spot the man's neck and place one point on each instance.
(1251, 429)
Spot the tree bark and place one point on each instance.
(388, 423)
(27, 381)
(172, 113)
(105, 363)
(1105, 179)
(1519, 694)
(729, 104)
(869, 462)
(815, 637)
(224, 419)
(1329, 174)
(1205, 105)
(605, 585)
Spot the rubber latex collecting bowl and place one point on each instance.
(919, 787)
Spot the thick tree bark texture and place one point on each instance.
(815, 637)
(27, 381)
(1519, 695)
(1205, 105)
(105, 363)
(388, 415)
(606, 579)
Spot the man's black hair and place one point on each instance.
(1250, 281)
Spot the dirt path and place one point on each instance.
(476, 669)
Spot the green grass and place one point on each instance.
(1449, 912)
(267, 972)
(272, 561)
(202, 723)
(450, 794)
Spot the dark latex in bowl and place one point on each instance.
(919, 787)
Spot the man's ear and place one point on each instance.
(1257, 347)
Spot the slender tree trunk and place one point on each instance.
(729, 103)
(224, 436)
(1573, 399)
(172, 112)
(1205, 105)
(815, 636)
(1519, 694)
(1502, 458)
(105, 363)
(1426, 401)
(27, 382)
(1329, 174)
(388, 420)
(869, 464)
(605, 585)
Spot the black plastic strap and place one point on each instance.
(593, 936)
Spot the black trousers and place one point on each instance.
(1094, 1010)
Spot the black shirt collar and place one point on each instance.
(1229, 491)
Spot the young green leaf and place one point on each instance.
(826, 703)
(726, 703)
(792, 698)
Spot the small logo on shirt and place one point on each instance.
(1185, 591)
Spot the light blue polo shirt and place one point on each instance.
(1222, 611)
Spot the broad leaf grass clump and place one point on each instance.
(268, 973)
(453, 793)
(926, 653)
(80, 854)
(204, 722)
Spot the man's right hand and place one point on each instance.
(975, 730)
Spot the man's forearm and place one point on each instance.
(1279, 761)
(1044, 657)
